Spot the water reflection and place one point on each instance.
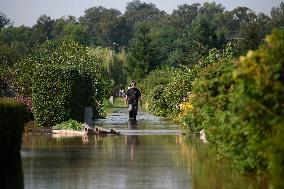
(11, 171)
(127, 162)
(132, 124)
(103, 162)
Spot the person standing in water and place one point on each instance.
(133, 95)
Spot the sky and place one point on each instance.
(26, 12)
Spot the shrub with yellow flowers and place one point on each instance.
(184, 108)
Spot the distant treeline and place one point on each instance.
(143, 38)
(181, 37)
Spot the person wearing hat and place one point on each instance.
(133, 95)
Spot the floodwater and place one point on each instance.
(150, 153)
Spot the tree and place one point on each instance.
(4, 21)
(137, 12)
(76, 32)
(277, 15)
(58, 26)
(99, 22)
(141, 55)
(211, 9)
(185, 14)
(164, 37)
(14, 42)
(243, 15)
(43, 29)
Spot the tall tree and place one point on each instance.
(76, 32)
(185, 14)
(58, 26)
(137, 12)
(43, 29)
(277, 15)
(99, 22)
(141, 55)
(14, 42)
(211, 9)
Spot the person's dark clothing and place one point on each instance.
(133, 95)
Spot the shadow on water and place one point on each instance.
(11, 171)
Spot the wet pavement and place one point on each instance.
(146, 124)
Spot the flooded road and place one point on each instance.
(150, 153)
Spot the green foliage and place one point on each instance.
(12, 117)
(4, 21)
(241, 108)
(3, 83)
(59, 52)
(76, 32)
(60, 93)
(100, 24)
(178, 89)
(276, 155)
(137, 12)
(165, 88)
(258, 100)
(60, 55)
(152, 88)
(69, 125)
(141, 55)
(277, 15)
(14, 42)
(113, 65)
(43, 29)
(61, 23)
(210, 99)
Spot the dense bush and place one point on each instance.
(60, 93)
(152, 88)
(241, 108)
(210, 96)
(58, 52)
(165, 88)
(276, 155)
(12, 117)
(61, 54)
(258, 102)
(168, 88)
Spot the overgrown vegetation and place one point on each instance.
(69, 125)
(187, 64)
(114, 65)
(60, 93)
(238, 102)
(62, 77)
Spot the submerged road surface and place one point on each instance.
(151, 153)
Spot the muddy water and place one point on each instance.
(151, 153)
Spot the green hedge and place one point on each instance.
(60, 53)
(210, 100)
(166, 88)
(12, 117)
(60, 93)
(240, 105)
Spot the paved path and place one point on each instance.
(146, 124)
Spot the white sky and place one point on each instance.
(26, 12)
